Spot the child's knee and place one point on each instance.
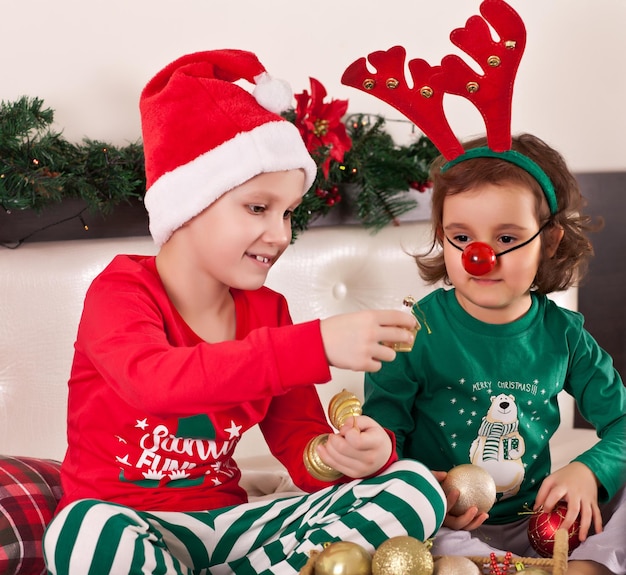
(420, 478)
(75, 538)
(418, 487)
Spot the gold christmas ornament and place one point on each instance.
(402, 555)
(313, 462)
(407, 306)
(342, 406)
(343, 558)
(476, 487)
(534, 571)
(455, 565)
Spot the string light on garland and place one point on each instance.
(18, 242)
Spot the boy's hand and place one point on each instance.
(470, 520)
(354, 340)
(361, 448)
(577, 485)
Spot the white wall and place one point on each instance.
(89, 60)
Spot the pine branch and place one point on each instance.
(39, 167)
(22, 119)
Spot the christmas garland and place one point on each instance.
(39, 167)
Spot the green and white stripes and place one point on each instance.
(93, 537)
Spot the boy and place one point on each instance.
(178, 355)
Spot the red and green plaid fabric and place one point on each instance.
(29, 492)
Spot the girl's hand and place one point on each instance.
(470, 520)
(577, 485)
(361, 448)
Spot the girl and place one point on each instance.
(481, 383)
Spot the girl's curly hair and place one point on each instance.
(569, 263)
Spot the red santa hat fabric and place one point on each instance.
(204, 135)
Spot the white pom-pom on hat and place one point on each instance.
(273, 94)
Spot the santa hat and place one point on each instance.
(204, 135)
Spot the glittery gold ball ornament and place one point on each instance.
(343, 558)
(402, 555)
(455, 565)
(475, 485)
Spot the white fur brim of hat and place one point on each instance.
(183, 193)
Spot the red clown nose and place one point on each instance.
(478, 258)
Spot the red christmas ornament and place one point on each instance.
(542, 528)
(421, 187)
(478, 258)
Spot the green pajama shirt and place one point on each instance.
(96, 537)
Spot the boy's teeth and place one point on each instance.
(262, 259)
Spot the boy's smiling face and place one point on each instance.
(237, 239)
(503, 217)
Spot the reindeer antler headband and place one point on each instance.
(491, 93)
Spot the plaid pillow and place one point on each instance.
(29, 492)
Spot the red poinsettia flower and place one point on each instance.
(320, 124)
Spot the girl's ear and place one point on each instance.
(553, 237)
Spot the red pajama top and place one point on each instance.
(155, 412)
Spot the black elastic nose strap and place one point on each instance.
(510, 249)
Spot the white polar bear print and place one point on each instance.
(499, 446)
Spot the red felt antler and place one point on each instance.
(490, 92)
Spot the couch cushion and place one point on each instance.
(29, 492)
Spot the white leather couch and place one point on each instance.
(328, 270)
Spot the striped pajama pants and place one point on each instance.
(96, 537)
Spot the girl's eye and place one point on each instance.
(461, 238)
(507, 239)
(287, 215)
(256, 208)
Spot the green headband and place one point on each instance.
(518, 159)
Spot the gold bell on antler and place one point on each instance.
(342, 406)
